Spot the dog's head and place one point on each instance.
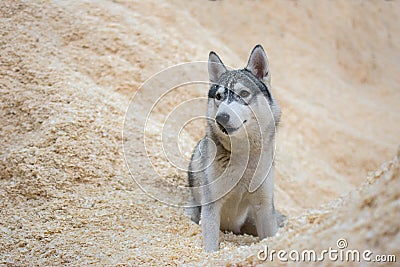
(240, 101)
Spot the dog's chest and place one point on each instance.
(242, 168)
(236, 204)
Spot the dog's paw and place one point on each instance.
(281, 219)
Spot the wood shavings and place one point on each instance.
(69, 68)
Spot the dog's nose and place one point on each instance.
(222, 118)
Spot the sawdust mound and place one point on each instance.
(68, 70)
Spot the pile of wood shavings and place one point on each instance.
(68, 70)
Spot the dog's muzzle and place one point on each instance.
(223, 123)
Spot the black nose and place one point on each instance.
(222, 118)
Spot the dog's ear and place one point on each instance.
(258, 62)
(215, 67)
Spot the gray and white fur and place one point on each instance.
(231, 173)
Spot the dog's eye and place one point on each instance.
(244, 93)
(218, 96)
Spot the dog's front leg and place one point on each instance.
(265, 217)
(210, 223)
(262, 201)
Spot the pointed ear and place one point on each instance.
(215, 67)
(258, 62)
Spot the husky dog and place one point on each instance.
(231, 169)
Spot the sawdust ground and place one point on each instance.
(68, 70)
